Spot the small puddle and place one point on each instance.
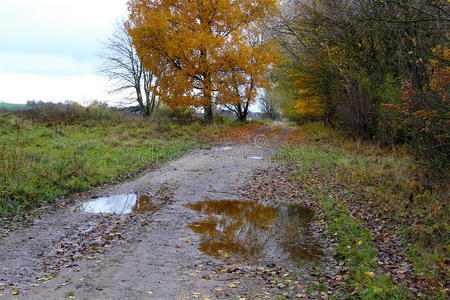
(222, 148)
(246, 230)
(255, 157)
(119, 204)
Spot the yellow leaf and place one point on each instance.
(371, 274)
(15, 292)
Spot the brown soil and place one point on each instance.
(71, 254)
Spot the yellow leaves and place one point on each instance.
(15, 292)
(439, 72)
(310, 107)
(198, 47)
(199, 295)
(370, 274)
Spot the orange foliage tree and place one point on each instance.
(242, 85)
(195, 47)
(425, 114)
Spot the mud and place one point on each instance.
(252, 232)
(149, 253)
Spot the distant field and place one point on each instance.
(13, 107)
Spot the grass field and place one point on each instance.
(370, 196)
(40, 163)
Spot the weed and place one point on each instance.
(387, 181)
(39, 166)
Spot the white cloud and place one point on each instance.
(18, 88)
(48, 48)
(42, 64)
(56, 25)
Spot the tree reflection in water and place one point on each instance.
(249, 230)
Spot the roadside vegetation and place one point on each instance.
(365, 82)
(377, 69)
(45, 154)
(391, 223)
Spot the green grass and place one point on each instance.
(329, 163)
(13, 107)
(39, 164)
(355, 247)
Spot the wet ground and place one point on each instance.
(182, 231)
(252, 232)
(118, 204)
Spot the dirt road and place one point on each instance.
(162, 249)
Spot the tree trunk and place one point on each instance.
(208, 114)
(208, 95)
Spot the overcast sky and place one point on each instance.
(49, 49)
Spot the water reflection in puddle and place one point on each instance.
(249, 230)
(222, 148)
(255, 157)
(119, 204)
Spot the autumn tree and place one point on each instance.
(198, 49)
(244, 84)
(124, 67)
(374, 68)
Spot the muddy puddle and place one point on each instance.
(255, 157)
(222, 148)
(250, 231)
(119, 204)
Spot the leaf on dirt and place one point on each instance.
(149, 292)
(232, 286)
(15, 292)
(371, 274)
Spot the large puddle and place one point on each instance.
(249, 231)
(119, 204)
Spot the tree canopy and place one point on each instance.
(203, 50)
